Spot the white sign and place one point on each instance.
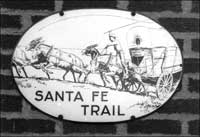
(97, 65)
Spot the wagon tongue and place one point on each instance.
(137, 60)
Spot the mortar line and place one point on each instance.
(121, 129)
(184, 127)
(59, 129)
(186, 35)
(122, 4)
(25, 12)
(6, 72)
(186, 6)
(26, 22)
(26, 108)
(58, 5)
(9, 92)
(6, 52)
(187, 47)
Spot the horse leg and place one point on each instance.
(114, 80)
(17, 72)
(47, 72)
(73, 75)
(48, 76)
(44, 69)
(24, 72)
(80, 74)
(86, 76)
(14, 65)
(65, 74)
(102, 77)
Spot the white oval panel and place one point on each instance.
(97, 65)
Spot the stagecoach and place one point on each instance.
(157, 67)
(153, 59)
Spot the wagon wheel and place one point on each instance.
(164, 85)
(136, 87)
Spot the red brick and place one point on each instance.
(6, 61)
(27, 125)
(180, 24)
(28, 4)
(191, 65)
(72, 127)
(7, 82)
(77, 4)
(180, 43)
(194, 127)
(6, 125)
(10, 21)
(155, 5)
(10, 103)
(35, 19)
(195, 6)
(195, 45)
(180, 106)
(193, 85)
(154, 126)
(9, 41)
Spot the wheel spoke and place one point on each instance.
(167, 88)
(165, 77)
(161, 91)
(169, 79)
(134, 85)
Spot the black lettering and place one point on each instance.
(104, 94)
(48, 96)
(94, 94)
(113, 110)
(105, 110)
(94, 109)
(119, 113)
(60, 96)
(78, 97)
(38, 93)
(69, 94)
(84, 108)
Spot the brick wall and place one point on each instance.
(179, 116)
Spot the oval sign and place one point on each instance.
(97, 65)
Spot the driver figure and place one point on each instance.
(114, 50)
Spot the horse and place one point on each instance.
(22, 57)
(102, 67)
(56, 58)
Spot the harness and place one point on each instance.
(49, 51)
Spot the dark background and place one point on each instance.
(179, 116)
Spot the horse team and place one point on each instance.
(42, 56)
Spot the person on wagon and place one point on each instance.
(115, 52)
